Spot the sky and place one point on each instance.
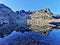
(33, 5)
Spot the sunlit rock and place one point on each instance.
(41, 21)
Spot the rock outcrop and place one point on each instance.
(41, 21)
(46, 10)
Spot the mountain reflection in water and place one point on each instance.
(33, 38)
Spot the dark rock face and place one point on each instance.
(21, 12)
(55, 23)
(56, 16)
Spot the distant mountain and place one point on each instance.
(21, 12)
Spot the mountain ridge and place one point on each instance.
(17, 21)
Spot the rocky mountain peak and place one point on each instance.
(46, 10)
(21, 12)
(4, 10)
(3, 6)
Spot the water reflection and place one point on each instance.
(52, 39)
